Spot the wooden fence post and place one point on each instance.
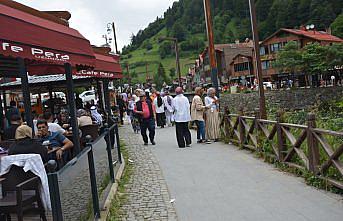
(241, 126)
(281, 139)
(257, 129)
(312, 144)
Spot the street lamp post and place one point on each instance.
(211, 50)
(110, 28)
(176, 46)
(262, 101)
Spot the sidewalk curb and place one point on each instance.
(105, 212)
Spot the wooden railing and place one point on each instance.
(306, 147)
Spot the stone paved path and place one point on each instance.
(147, 193)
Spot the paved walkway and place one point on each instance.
(219, 182)
(147, 192)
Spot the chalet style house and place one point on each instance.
(271, 45)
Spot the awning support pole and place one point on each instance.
(107, 96)
(1, 115)
(52, 108)
(72, 107)
(5, 108)
(100, 91)
(26, 93)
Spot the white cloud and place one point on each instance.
(90, 17)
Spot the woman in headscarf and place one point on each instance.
(160, 115)
(83, 118)
(96, 115)
(212, 115)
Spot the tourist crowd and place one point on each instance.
(149, 108)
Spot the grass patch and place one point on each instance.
(121, 197)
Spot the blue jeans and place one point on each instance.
(200, 129)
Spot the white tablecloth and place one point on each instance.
(33, 163)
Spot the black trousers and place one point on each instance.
(150, 125)
(183, 135)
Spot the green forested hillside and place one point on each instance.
(231, 20)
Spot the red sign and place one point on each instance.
(35, 53)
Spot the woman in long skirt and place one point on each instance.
(160, 115)
(212, 121)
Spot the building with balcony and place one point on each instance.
(274, 43)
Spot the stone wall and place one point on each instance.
(294, 99)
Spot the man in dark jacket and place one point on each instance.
(145, 111)
(9, 133)
(26, 145)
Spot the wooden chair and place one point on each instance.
(6, 143)
(20, 192)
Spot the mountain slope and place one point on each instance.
(231, 21)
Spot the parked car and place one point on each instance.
(268, 85)
(87, 96)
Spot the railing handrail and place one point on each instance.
(249, 132)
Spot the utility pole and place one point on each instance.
(178, 61)
(211, 50)
(177, 57)
(262, 100)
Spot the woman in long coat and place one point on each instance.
(212, 121)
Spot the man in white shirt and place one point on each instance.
(52, 127)
(182, 116)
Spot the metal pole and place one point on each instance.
(54, 190)
(92, 176)
(118, 143)
(115, 38)
(26, 93)
(99, 86)
(211, 50)
(109, 153)
(177, 60)
(1, 115)
(107, 97)
(262, 100)
(72, 107)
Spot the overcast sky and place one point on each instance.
(90, 17)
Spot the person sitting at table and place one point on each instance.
(63, 119)
(24, 144)
(83, 118)
(56, 140)
(9, 133)
(52, 127)
(96, 116)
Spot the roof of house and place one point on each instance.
(313, 34)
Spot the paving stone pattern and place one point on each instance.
(75, 186)
(147, 193)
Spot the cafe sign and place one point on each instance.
(34, 53)
(97, 74)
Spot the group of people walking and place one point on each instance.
(148, 110)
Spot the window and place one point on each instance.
(262, 50)
(265, 65)
(275, 47)
(243, 66)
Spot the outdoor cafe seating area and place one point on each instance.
(46, 146)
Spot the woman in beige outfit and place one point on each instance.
(197, 114)
(212, 115)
